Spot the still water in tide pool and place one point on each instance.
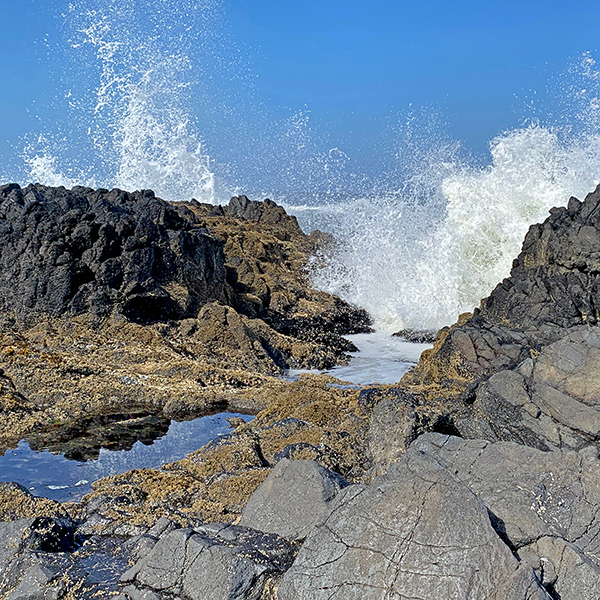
(381, 359)
(53, 476)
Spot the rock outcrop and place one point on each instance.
(522, 367)
(417, 532)
(118, 305)
(477, 476)
(99, 252)
(293, 499)
(553, 287)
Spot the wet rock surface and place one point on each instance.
(217, 561)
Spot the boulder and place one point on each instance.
(545, 505)
(212, 562)
(416, 532)
(295, 496)
(550, 401)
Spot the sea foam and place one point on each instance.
(419, 242)
(421, 261)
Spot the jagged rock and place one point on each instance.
(295, 496)
(70, 252)
(417, 532)
(266, 212)
(553, 287)
(417, 336)
(551, 401)
(545, 505)
(210, 562)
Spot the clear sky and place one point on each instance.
(354, 60)
(350, 63)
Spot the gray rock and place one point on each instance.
(209, 563)
(394, 425)
(42, 559)
(546, 505)
(39, 583)
(563, 569)
(294, 497)
(552, 401)
(417, 532)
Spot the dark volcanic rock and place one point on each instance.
(262, 212)
(102, 252)
(417, 336)
(556, 279)
(553, 286)
(44, 559)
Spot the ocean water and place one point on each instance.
(419, 242)
(381, 359)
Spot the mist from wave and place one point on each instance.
(419, 241)
(126, 100)
(428, 246)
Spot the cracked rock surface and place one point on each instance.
(551, 401)
(294, 497)
(216, 562)
(545, 505)
(417, 532)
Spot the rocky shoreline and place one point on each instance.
(477, 476)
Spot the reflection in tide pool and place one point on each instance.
(54, 476)
(382, 358)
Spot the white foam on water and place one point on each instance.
(420, 242)
(420, 256)
(381, 358)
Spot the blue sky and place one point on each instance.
(355, 60)
(352, 64)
